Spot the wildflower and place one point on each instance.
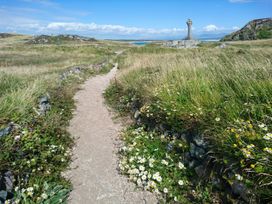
(269, 150)
(142, 168)
(263, 126)
(151, 184)
(238, 177)
(181, 182)
(151, 160)
(142, 160)
(268, 136)
(157, 191)
(252, 166)
(175, 199)
(131, 159)
(164, 162)
(44, 196)
(30, 194)
(217, 119)
(139, 182)
(165, 190)
(17, 138)
(234, 145)
(144, 177)
(30, 189)
(181, 165)
(251, 146)
(16, 188)
(157, 177)
(246, 153)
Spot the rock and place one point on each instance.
(6, 186)
(193, 164)
(199, 141)
(137, 114)
(216, 182)
(6, 131)
(256, 29)
(139, 121)
(196, 152)
(182, 43)
(200, 171)
(44, 105)
(223, 45)
(239, 189)
(169, 147)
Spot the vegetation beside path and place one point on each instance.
(36, 148)
(203, 118)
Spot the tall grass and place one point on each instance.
(37, 150)
(223, 94)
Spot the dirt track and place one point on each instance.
(93, 170)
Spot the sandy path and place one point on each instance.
(93, 170)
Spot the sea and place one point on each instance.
(142, 43)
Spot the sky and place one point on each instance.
(129, 19)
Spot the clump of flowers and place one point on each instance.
(147, 161)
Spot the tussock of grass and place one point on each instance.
(223, 94)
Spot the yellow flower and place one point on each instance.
(250, 126)
(252, 166)
(234, 145)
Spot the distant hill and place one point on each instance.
(7, 35)
(50, 39)
(254, 30)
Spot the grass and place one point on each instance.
(38, 149)
(222, 94)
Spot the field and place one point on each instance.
(203, 130)
(203, 117)
(37, 147)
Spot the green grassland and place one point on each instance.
(221, 95)
(38, 149)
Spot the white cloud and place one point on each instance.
(105, 29)
(210, 28)
(240, 1)
(41, 2)
(235, 28)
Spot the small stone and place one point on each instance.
(6, 131)
(200, 171)
(169, 147)
(137, 114)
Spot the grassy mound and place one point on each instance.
(220, 95)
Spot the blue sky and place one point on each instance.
(138, 19)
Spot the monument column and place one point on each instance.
(189, 24)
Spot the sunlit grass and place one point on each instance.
(222, 94)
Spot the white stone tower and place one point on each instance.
(189, 24)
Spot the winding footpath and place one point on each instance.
(93, 171)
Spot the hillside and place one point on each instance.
(48, 39)
(7, 35)
(254, 30)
